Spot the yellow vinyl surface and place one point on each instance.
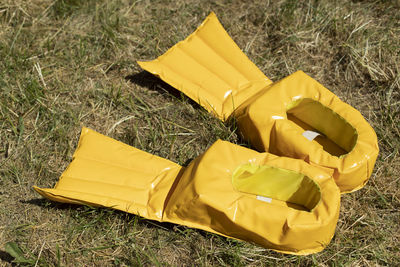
(212, 70)
(219, 191)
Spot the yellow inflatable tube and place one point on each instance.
(280, 203)
(296, 117)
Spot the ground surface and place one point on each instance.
(68, 64)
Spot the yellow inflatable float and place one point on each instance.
(296, 117)
(280, 203)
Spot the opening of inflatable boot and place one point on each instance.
(276, 183)
(108, 173)
(298, 117)
(212, 70)
(331, 131)
(280, 203)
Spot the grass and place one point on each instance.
(68, 64)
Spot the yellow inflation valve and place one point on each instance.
(279, 203)
(296, 117)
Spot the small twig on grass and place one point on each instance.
(39, 71)
(16, 36)
(119, 122)
(359, 219)
(40, 253)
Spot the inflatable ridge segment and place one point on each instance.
(296, 117)
(279, 203)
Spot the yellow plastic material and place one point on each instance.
(276, 117)
(280, 203)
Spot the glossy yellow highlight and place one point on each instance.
(212, 70)
(210, 194)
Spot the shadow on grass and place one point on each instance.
(44, 203)
(152, 82)
(4, 256)
(41, 202)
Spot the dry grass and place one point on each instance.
(65, 64)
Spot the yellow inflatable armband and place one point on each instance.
(280, 203)
(296, 117)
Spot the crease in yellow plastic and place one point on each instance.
(212, 70)
(107, 173)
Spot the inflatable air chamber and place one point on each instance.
(296, 117)
(279, 203)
